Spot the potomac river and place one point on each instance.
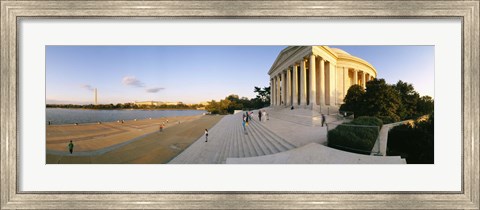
(70, 116)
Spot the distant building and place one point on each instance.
(156, 103)
(173, 103)
(149, 103)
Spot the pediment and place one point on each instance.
(285, 54)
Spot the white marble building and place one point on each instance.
(316, 77)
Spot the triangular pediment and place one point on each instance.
(285, 54)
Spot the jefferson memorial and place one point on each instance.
(316, 77)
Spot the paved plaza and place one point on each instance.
(273, 141)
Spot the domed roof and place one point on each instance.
(339, 51)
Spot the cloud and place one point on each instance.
(132, 81)
(153, 90)
(88, 87)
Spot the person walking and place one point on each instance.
(260, 115)
(323, 119)
(70, 147)
(161, 128)
(206, 135)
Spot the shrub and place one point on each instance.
(414, 143)
(373, 121)
(353, 138)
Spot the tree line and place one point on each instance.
(234, 102)
(390, 103)
(125, 106)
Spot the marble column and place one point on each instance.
(322, 82)
(278, 90)
(272, 89)
(327, 83)
(364, 83)
(282, 88)
(333, 84)
(303, 84)
(289, 87)
(355, 77)
(313, 89)
(271, 92)
(285, 99)
(295, 85)
(345, 81)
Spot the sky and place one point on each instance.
(194, 74)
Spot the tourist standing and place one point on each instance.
(260, 115)
(244, 121)
(161, 128)
(206, 135)
(323, 119)
(70, 147)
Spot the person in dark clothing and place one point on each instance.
(70, 147)
(260, 115)
(206, 135)
(323, 119)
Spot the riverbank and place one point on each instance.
(143, 109)
(151, 146)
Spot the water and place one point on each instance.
(70, 116)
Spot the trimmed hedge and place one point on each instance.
(354, 138)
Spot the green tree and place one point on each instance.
(263, 96)
(381, 100)
(354, 100)
(425, 105)
(220, 107)
(409, 99)
(213, 107)
(413, 142)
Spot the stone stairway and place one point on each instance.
(300, 116)
(227, 139)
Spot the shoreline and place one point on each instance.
(200, 113)
(171, 109)
(125, 121)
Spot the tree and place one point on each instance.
(263, 96)
(425, 105)
(409, 99)
(413, 142)
(354, 100)
(381, 100)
